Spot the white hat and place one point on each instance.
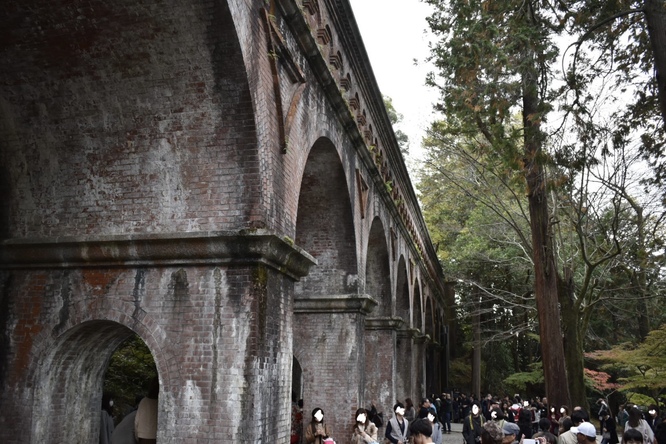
(587, 429)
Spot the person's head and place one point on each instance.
(653, 411)
(420, 430)
(409, 403)
(399, 409)
(548, 437)
(635, 416)
(496, 414)
(491, 433)
(510, 431)
(317, 415)
(578, 416)
(475, 409)
(567, 424)
(107, 403)
(586, 433)
(361, 417)
(544, 424)
(425, 403)
(564, 410)
(632, 436)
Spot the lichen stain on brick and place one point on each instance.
(259, 289)
(179, 287)
(28, 326)
(139, 290)
(218, 279)
(65, 295)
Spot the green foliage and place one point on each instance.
(641, 368)
(526, 382)
(396, 118)
(130, 370)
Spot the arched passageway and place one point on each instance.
(327, 332)
(69, 382)
(380, 326)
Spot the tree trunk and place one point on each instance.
(573, 342)
(545, 270)
(655, 16)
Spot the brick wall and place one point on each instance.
(125, 117)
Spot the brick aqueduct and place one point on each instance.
(219, 177)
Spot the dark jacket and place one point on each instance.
(472, 428)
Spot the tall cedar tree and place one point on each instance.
(493, 59)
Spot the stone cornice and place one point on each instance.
(383, 323)
(408, 333)
(343, 303)
(164, 249)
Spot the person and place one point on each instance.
(545, 438)
(436, 435)
(317, 431)
(525, 422)
(586, 433)
(497, 415)
(124, 432)
(511, 432)
(622, 416)
(447, 410)
(652, 417)
(637, 422)
(603, 408)
(397, 429)
(410, 411)
(632, 436)
(465, 406)
(365, 431)
(564, 414)
(569, 436)
(421, 431)
(608, 429)
(425, 405)
(296, 421)
(492, 433)
(660, 431)
(145, 421)
(486, 405)
(106, 422)
(472, 426)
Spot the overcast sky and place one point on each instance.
(394, 34)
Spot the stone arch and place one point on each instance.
(380, 328)
(418, 313)
(69, 380)
(377, 269)
(325, 224)
(327, 322)
(404, 342)
(402, 305)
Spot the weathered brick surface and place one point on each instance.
(127, 128)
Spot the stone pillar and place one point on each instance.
(381, 362)
(329, 343)
(214, 309)
(405, 386)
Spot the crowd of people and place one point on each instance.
(493, 420)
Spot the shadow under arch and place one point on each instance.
(69, 382)
(327, 320)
